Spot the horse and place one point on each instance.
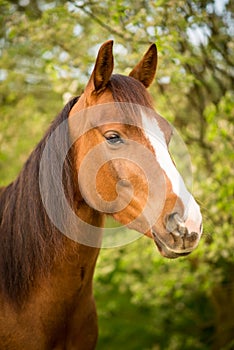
(46, 269)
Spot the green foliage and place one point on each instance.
(47, 51)
(153, 305)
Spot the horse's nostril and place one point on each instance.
(183, 231)
(175, 225)
(171, 223)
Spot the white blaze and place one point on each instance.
(192, 216)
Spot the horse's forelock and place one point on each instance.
(130, 90)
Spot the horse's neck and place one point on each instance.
(72, 272)
(69, 284)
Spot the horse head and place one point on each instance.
(122, 159)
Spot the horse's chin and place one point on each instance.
(165, 251)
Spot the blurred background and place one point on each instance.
(47, 51)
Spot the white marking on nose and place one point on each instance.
(192, 215)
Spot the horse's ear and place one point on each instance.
(103, 67)
(145, 70)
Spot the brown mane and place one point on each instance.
(136, 92)
(28, 239)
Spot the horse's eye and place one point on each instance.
(113, 138)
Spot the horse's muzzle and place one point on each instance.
(165, 250)
(176, 241)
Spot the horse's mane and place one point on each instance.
(28, 240)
